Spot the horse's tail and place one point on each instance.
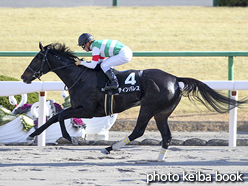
(198, 91)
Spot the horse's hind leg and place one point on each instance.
(143, 119)
(162, 124)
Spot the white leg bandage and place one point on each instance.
(120, 144)
(162, 154)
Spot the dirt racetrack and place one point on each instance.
(85, 165)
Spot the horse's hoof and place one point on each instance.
(74, 141)
(105, 151)
(30, 139)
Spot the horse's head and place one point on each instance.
(37, 67)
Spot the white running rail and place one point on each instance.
(9, 88)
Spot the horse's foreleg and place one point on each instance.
(64, 132)
(65, 114)
(44, 126)
(78, 112)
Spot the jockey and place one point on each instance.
(116, 52)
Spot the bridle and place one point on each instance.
(39, 72)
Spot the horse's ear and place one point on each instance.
(41, 47)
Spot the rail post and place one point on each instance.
(230, 68)
(115, 2)
(42, 118)
(233, 112)
(233, 121)
(215, 2)
(230, 71)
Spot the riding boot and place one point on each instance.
(113, 82)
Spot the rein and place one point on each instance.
(67, 89)
(38, 73)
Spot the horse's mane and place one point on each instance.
(62, 50)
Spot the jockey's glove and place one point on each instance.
(78, 62)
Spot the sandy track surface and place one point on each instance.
(85, 165)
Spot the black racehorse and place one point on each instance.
(159, 94)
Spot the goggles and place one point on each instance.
(83, 45)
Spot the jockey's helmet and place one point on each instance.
(84, 38)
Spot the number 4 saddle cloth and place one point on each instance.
(129, 81)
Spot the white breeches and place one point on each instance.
(125, 55)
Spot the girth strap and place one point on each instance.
(108, 103)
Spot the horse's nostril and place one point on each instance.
(22, 77)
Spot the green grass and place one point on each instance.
(142, 29)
